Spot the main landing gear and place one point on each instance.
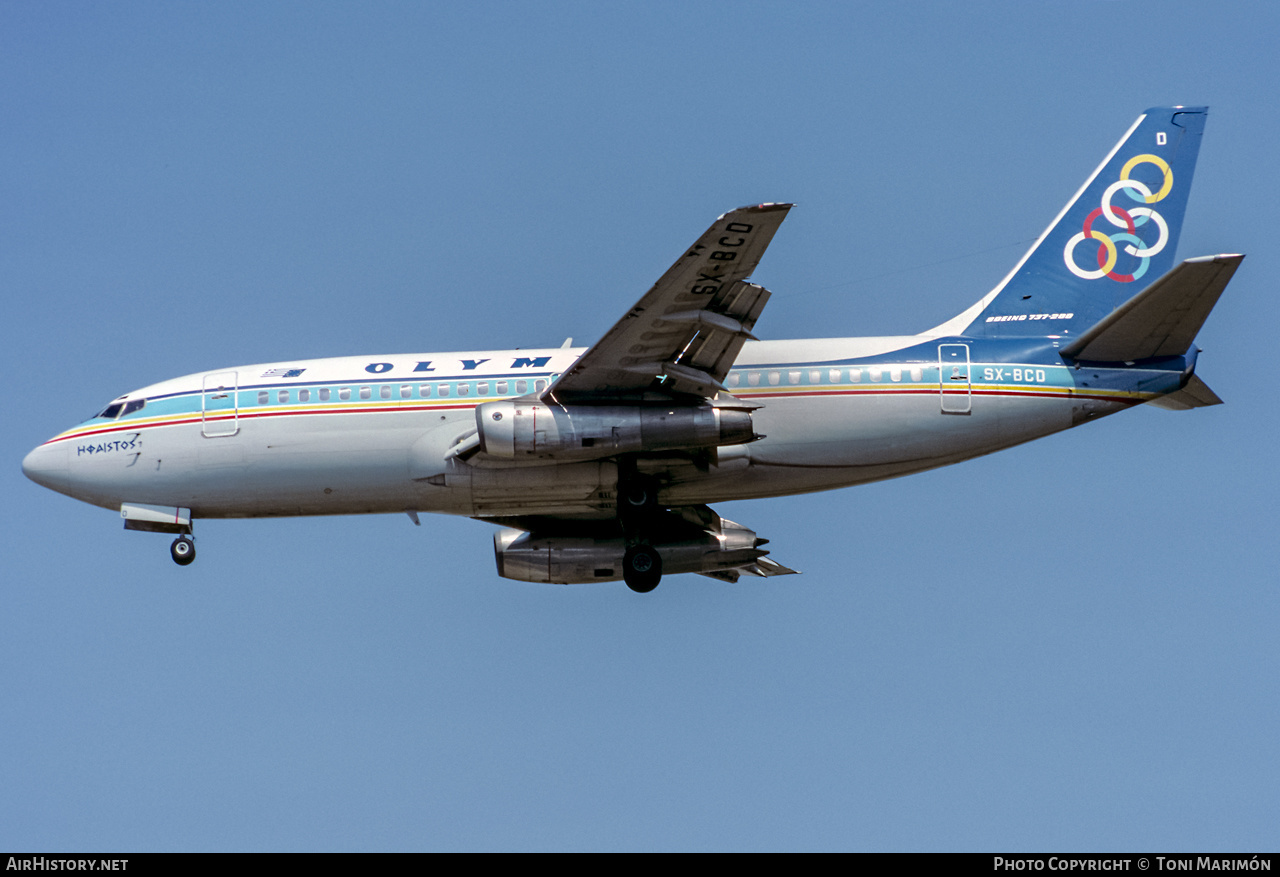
(637, 511)
(642, 568)
(183, 550)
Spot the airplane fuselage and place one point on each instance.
(372, 434)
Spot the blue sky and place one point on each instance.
(1066, 646)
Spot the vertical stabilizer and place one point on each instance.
(1115, 237)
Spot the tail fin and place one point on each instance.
(1116, 236)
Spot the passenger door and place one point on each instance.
(954, 386)
(218, 410)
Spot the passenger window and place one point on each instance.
(385, 391)
(876, 374)
(753, 379)
(263, 397)
(282, 397)
(734, 380)
(324, 394)
(793, 377)
(895, 374)
(502, 388)
(815, 377)
(834, 375)
(855, 375)
(344, 393)
(775, 378)
(424, 391)
(482, 388)
(442, 389)
(406, 391)
(917, 373)
(463, 388)
(304, 395)
(366, 393)
(522, 387)
(539, 386)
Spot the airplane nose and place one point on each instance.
(47, 465)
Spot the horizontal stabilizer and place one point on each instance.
(1196, 394)
(1163, 319)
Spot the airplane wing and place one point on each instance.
(682, 337)
(762, 567)
(695, 539)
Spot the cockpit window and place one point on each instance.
(119, 409)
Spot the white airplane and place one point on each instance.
(599, 464)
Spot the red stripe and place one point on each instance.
(1062, 393)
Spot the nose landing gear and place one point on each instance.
(183, 550)
(163, 519)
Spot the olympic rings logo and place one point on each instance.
(1127, 220)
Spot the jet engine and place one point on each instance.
(572, 560)
(533, 431)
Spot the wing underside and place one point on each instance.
(684, 334)
(689, 539)
(674, 347)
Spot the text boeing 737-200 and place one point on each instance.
(599, 464)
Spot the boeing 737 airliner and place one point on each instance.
(600, 464)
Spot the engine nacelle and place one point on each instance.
(531, 431)
(573, 560)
